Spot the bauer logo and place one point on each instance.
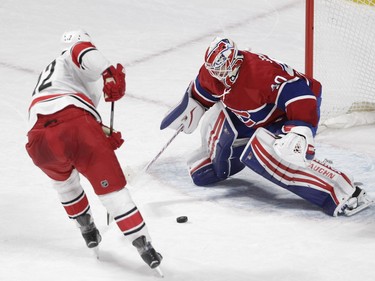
(104, 183)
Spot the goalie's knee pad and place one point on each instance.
(217, 158)
(203, 172)
(318, 183)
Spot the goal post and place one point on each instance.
(309, 38)
(340, 53)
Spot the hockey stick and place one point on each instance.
(179, 130)
(110, 133)
(112, 117)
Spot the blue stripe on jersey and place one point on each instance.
(205, 95)
(291, 91)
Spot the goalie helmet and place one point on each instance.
(223, 60)
(69, 38)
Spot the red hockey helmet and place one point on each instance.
(223, 60)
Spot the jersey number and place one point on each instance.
(45, 83)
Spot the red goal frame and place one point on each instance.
(309, 38)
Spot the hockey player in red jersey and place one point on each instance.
(67, 138)
(262, 114)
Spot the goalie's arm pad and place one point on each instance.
(187, 112)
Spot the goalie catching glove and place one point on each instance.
(297, 146)
(115, 138)
(114, 83)
(187, 113)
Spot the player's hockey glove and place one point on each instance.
(187, 112)
(114, 83)
(114, 138)
(297, 146)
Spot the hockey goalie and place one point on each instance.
(261, 114)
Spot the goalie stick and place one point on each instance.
(179, 130)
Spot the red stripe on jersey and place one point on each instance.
(77, 207)
(78, 50)
(304, 110)
(51, 97)
(130, 221)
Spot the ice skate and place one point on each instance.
(147, 252)
(92, 237)
(358, 202)
(89, 231)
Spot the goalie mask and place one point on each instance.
(223, 60)
(70, 38)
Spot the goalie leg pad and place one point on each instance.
(203, 173)
(219, 140)
(216, 159)
(317, 183)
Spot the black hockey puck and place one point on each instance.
(182, 219)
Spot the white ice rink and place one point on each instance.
(241, 230)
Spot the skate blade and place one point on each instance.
(95, 252)
(358, 209)
(159, 271)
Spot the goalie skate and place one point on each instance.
(358, 202)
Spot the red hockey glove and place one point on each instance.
(114, 83)
(114, 138)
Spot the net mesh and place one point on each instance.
(344, 55)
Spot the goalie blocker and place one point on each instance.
(224, 154)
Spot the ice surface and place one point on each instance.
(242, 229)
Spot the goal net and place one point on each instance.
(344, 60)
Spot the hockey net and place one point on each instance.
(344, 60)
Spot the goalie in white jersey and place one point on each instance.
(67, 138)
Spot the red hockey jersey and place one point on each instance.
(265, 90)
